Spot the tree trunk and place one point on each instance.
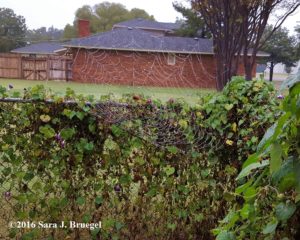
(224, 72)
(271, 71)
(248, 72)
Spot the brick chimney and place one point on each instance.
(83, 28)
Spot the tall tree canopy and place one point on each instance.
(237, 28)
(193, 24)
(103, 16)
(44, 34)
(12, 30)
(281, 47)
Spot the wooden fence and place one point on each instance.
(35, 68)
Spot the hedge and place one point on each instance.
(146, 170)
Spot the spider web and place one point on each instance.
(151, 72)
(109, 70)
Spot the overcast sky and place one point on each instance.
(57, 13)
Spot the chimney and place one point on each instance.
(83, 28)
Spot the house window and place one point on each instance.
(171, 59)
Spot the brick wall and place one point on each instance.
(143, 69)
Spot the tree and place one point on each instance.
(103, 16)
(281, 47)
(44, 34)
(70, 32)
(297, 29)
(237, 28)
(139, 13)
(193, 24)
(12, 30)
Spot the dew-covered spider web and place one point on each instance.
(166, 75)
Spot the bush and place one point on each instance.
(140, 167)
(238, 118)
(270, 182)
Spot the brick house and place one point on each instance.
(144, 53)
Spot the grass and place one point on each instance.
(190, 95)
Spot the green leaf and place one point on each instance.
(86, 218)
(67, 133)
(284, 211)
(125, 179)
(117, 131)
(80, 115)
(266, 140)
(69, 113)
(228, 196)
(119, 225)
(109, 144)
(95, 231)
(169, 170)
(228, 107)
(47, 131)
(250, 193)
(172, 226)
(172, 149)
(251, 159)
(45, 118)
(183, 123)
(287, 170)
(140, 160)
(152, 192)
(199, 217)
(28, 176)
(243, 187)
(247, 170)
(89, 146)
(80, 200)
(92, 127)
(245, 211)
(99, 200)
(276, 153)
(225, 235)
(271, 227)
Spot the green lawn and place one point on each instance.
(188, 94)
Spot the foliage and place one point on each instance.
(238, 116)
(70, 32)
(269, 184)
(237, 28)
(297, 29)
(281, 47)
(193, 25)
(103, 16)
(12, 30)
(44, 34)
(140, 167)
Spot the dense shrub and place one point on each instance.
(270, 182)
(239, 117)
(146, 170)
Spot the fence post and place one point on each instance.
(48, 68)
(19, 59)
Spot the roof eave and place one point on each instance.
(60, 50)
(262, 55)
(147, 28)
(40, 53)
(139, 50)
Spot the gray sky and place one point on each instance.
(57, 13)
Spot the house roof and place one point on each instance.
(40, 48)
(148, 24)
(132, 39)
